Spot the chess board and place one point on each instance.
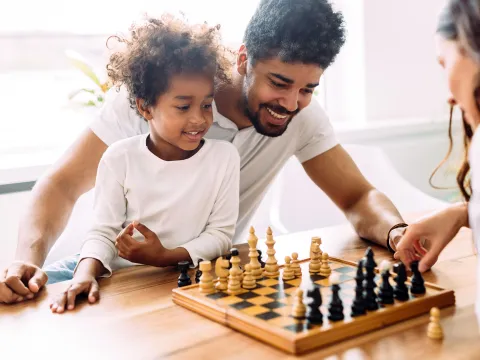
(265, 312)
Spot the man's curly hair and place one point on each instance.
(305, 31)
(160, 48)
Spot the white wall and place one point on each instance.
(387, 68)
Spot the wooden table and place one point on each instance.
(136, 318)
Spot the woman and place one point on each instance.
(458, 44)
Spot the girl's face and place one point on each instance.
(183, 114)
(463, 78)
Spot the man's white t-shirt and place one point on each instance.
(261, 158)
(474, 206)
(191, 203)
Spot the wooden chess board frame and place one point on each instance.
(320, 335)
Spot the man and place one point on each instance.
(266, 111)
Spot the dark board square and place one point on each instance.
(247, 295)
(316, 277)
(297, 328)
(268, 315)
(217, 295)
(242, 305)
(274, 305)
(283, 286)
(277, 295)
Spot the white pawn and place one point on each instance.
(235, 276)
(248, 279)
(314, 266)
(434, 330)
(288, 273)
(299, 309)
(221, 270)
(297, 269)
(325, 268)
(206, 280)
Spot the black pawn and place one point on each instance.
(400, 290)
(262, 263)
(184, 278)
(358, 305)
(314, 315)
(198, 273)
(418, 286)
(369, 296)
(229, 257)
(335, 309)
(385, 293)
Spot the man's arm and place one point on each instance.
(51, 204)
(370, 212)
(54, 196)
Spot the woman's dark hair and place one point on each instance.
(460, 21)
(163, 47)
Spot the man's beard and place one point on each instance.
(269, 130)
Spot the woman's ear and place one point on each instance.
(143, 109)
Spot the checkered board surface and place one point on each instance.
(265, 312)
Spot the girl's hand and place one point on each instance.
(81, 284)
(148, 252)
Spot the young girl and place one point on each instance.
(170, 195)
(459, 53)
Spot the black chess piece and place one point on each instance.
(335, 309)
(229, 257)
(184, 278)
(385, 293)
(314, 314)
(400, 290)
(262, 263)
(358, 305)
(417, 286)
(198, 273)
(369, 296)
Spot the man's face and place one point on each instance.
(274, 92)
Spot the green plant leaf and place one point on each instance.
(77, 61)
(76, 92)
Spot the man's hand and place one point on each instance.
(82, 284)
(148, 252)
(438, 229)
(21, 281)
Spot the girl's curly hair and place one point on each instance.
(160, 48)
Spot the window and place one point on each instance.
(36, 73)
(382, 74)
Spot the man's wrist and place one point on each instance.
(394, 235)
(34, 255)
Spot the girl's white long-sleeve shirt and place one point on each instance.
(190, 203)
